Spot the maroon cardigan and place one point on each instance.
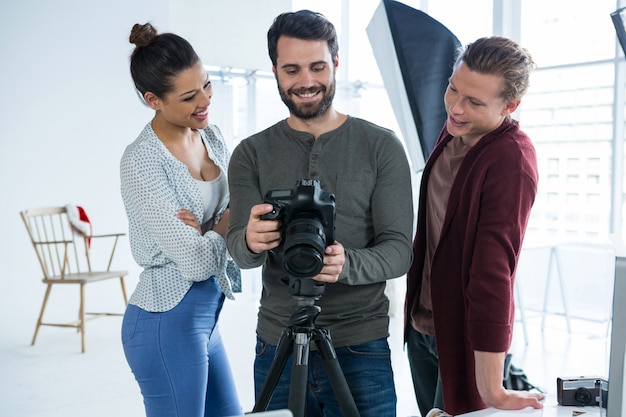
(474, 264)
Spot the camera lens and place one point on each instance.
(303, 252)
(303, 261)
(583, 396)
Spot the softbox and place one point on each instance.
(618, 17)
(415, 54)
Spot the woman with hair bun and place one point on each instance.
(175, 191)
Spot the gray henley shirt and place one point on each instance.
(365, 166)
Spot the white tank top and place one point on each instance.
(214, 196)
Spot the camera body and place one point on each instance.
(582, 391)
(307, 214)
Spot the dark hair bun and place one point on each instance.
(142, 35)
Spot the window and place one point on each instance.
(570, 111)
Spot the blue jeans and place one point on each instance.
(367, 368)
(424, 363)
(178, 357)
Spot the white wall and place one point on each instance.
(227, 33)
(67, 112)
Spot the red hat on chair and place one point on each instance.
(79, 220)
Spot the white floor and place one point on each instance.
(54, 379)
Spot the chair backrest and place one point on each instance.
(60, 250)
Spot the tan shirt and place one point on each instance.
(439, 185)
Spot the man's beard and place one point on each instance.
(311, 110)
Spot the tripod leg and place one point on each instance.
(335, 374)
(299, 375)
(283, 350)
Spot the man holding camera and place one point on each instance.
(366, 169)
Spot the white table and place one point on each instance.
(550, 409)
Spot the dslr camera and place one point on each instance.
(582, 391)
(307, 215)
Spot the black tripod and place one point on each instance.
(296, 339)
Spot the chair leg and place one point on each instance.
(43, 307)
(124, 290)
(81, 313)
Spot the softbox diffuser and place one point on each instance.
(415, 54)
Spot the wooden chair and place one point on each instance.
(65, 258)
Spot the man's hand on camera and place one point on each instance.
(262, 235)
(334, 259)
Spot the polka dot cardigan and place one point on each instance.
(154, 186)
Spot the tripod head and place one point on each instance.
(305, 291)
(306, 288)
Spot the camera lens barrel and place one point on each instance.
(583, 396)
(303, 251)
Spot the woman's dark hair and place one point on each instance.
(158, 58)
(303, 24)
